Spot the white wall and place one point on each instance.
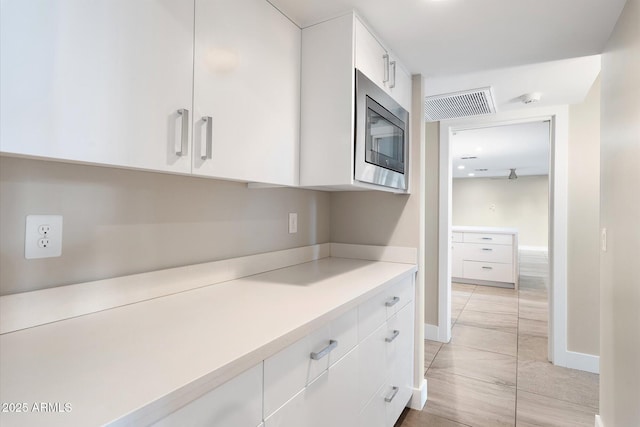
(620, 215)
(521, 203)
(583, 241)
(119, 222)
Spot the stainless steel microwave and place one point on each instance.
(381, 137)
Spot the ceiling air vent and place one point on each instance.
(474, 102)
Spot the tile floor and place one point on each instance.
(495, 372)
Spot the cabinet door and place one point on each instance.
(400, 362)
(237, 403)
(247, 80)
(399, 85)
(98, 82)
(457, 258)
(371, 56)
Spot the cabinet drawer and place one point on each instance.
(236, 403)
(372, 362)
(487, 252)
(488, 271)
(457, 236)
(498, 239)
(291, 369)
(375, 311)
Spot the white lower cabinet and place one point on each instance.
(355, 370)
(236, 403)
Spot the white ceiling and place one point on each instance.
(524, 147)
(515, 46)
(437, 38)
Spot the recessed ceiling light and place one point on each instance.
(461, 167)
(478, 149)
(471, 174)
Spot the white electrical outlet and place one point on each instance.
(293, 223)
(43, 236)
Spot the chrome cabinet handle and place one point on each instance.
(393, 79)
(487, 238)
(181, 146)
(487, 268)
(322, 353)
(393, 301)
(487, 249)
(394, 391)
(207, 147)
(393, 336)
(385, 57)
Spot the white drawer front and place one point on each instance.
(399, 295)
(488, 271)
(236, 403)
(372, 364)
(498, 239)
(457, 236)
(487, 252)
(290, 370)
(371, 314)
(344, 330)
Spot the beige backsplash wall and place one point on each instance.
(522, 203)
(119, 222)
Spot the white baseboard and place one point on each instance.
(581, 361)
(435, 333)
(431, 332)
(419, 397)
(599, 422)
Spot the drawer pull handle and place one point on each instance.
(322, 353)
(206, 148)
(393, 301)
(389, 398)
(487, 238)
(487, 249)
(487, 268)
(393, 336)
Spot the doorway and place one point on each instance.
(557, 241)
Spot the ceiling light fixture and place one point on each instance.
(512, 174)
(461, 167)
(471, 174)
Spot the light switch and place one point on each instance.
(293, 223)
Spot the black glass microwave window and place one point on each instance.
(384, 144)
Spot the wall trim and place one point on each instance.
(582, 361)
(558, 213)
(419, 397)
(599, 422)
(436, 333)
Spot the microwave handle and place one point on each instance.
(385, 58)
(392, 82)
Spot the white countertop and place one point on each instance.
(132, 360)
(481, 229)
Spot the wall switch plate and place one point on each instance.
(43, 236)
(293, 223)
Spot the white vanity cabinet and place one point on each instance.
(331, 51)
(236, 403)
(116, 82)
(485, 256)
(246, 92)
(97, 82)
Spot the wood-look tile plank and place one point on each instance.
(495, 290)
(469, 362)
(431, 348)
(470, 401)
(493, 304)
(534, 410)
(411, 418)
(532, 347)
(534, 310)
(485, 339)
(566, 384)
(462, 287)
(533, 327)
(496, 321)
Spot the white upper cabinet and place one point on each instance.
(246, 92)
(113, 82)
(97, 82)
